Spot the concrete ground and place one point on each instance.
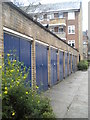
(69, 98)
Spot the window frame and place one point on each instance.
(72, 27)
(70, 42)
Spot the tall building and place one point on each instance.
(63, 19)
(85, 44)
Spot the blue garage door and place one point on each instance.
(69, 64)
(25, 54)
(21, 47)
(66, 63)
(41, 66)
(61, 65)
(53, 66)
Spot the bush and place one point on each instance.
(19, 101)
(82, 65)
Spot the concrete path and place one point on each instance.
(69, 98)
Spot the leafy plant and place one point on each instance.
(19, 101)
(82, 65)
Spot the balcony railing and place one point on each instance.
(54, 22)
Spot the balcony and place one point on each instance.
(59, 21)
(55, 22)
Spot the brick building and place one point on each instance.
(63, 19)
(85, 44)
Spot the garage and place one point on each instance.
(61, 66)
(41, 66)
(53, 66)
(22, 48)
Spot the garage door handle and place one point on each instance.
(54, 64)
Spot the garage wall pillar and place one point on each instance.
(49, 67)
(68, 64)
(33, 62)
(71, 63)
(58, 68)
(64, 64)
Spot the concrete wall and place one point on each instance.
(17, 21)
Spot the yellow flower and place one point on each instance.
(12, 80)
(37, 87)
(8, 55)
(38, 101)
(10, 86)
(9, 62)
(17, 83)
(0, 67)
(17, 70)
(0, 55)
(26, 93)
(13, 113)
(0, 95)
(14, 60)
(5, 92)
(11, 70)
(5, 88)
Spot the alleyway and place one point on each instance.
(69, 98)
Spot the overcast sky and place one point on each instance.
(84, 6)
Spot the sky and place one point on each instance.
(84, 8)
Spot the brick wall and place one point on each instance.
(76, 35)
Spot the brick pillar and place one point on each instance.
(64, 63)
(33, 65)
(58, 65)
(68, 63)
(49, 67)
(1, 55)
(71, 63)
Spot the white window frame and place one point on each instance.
(72, 27)
(71, 15)
(70, 42)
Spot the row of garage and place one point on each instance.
(23, 48)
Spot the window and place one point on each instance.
(60, 15)
(71, 43)
(60, 30)
(52, 16)
(45, 16)
(71, 29)
(56, 15)
(71, 15)
(56, 29)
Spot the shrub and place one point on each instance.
(82, 65)
(19, 101)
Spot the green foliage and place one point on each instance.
(19, 101)
(82, 65)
